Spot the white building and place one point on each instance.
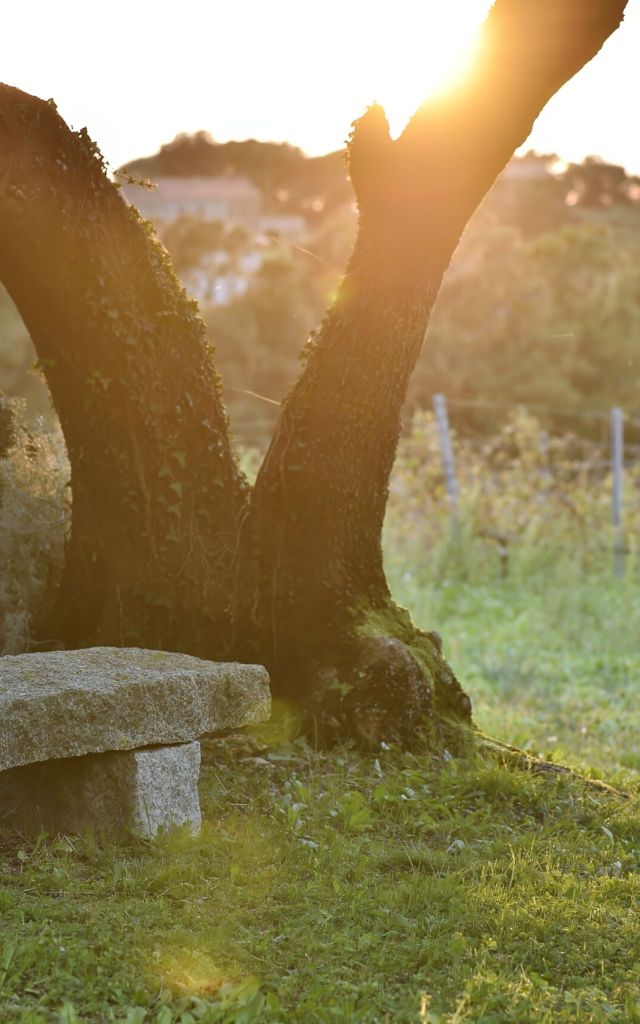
(288, 226)
(230, 199)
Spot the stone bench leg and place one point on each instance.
(144, 790)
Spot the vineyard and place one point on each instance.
(526, 502)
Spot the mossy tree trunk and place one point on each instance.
(169, 547)
(157, 492)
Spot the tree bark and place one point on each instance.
(168, 547)
(157, 492)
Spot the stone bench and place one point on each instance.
(109, 736)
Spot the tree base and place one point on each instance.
(514, 757)
(384, 688)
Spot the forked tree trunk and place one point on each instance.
(168, 546)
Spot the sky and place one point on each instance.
(286, 70)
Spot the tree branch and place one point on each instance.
(459, 141)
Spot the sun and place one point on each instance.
(416, 49)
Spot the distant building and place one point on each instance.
(215, 290)
(218, 281)
(530, 167)
(231, 199)
(288, 226)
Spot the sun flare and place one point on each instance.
(419, 49)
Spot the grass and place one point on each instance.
(374, 888)
(386, 888)
(551, 662)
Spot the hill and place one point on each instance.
(290, 181)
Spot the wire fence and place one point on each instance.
(620, 454)
(611, 455)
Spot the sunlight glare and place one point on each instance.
(419, 49)
(189, 972)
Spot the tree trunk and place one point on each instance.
(314, 590)
(157, 492)
(168, 547)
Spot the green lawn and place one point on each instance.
(552, 665)
(375, 888)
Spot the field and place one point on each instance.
(389, 887)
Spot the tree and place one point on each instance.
(190, 240)
(552, 322)
(289, 180)
(170, 547)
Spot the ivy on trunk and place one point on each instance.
(170, 547)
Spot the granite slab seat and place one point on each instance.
(108, 736)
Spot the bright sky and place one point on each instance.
(136, 74)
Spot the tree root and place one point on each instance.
(516, 758)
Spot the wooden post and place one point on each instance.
(543, 448)
(446, 452)
(617, 467)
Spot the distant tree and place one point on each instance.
(289, 180)
(170, 547)
(595, 183)
(533, 203)
(190, 239)
(259, 337)
(552, 321)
